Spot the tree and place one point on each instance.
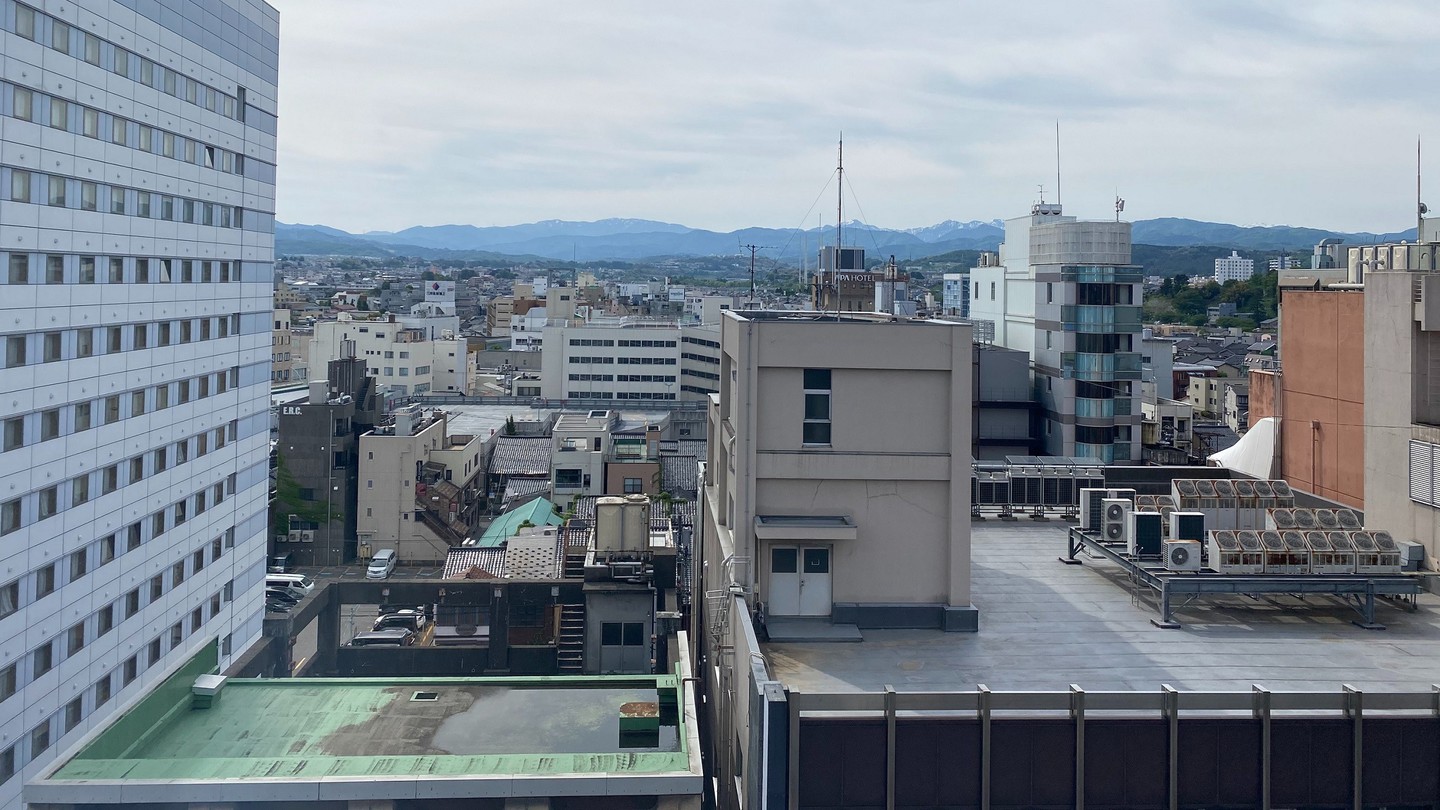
(363, 303)
(510, 425)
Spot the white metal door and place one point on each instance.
(784, 581)
(815, 581)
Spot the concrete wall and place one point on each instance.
(1264, 390)
(1389, 382)
(1322, 398)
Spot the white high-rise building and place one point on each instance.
(1234, 268)
(137, 187)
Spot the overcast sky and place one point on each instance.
(724, 115)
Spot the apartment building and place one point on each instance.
(282, 350)
(1065, 292)
(419, 488)
(1234, 268)
(600, 452)
(837, 483)
(137, 171)
(955, 295)
(406, 356)
(630, 361)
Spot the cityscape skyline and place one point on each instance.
(590, 113)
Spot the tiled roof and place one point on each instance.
(523, 558)
(678, 475)
(522, 485)
(521, 455)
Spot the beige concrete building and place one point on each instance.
(1402, 390)
(281, 350)
(406, 356)
(419, 488)
(837, 486)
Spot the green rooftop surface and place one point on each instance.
(538, 512)
(308, 728)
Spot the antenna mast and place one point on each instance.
(1057, 161)
(752, 249)
(840, 193)
(1420, 209)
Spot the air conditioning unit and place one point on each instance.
(1144, 534)
(1115, 515)
(1182, 555)
(1091, 518)
(1187, 526)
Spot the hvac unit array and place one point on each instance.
(1297, 551)
(1231, 504)
(1030, 486)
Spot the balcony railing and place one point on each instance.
(1100, 319)
(1100, 367)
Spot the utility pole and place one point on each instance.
(752, 249)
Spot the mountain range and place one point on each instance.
(635, 239)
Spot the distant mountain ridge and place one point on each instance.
(634, 239)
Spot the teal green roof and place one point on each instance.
(309, 728)
(539, 512)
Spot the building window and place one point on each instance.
(9, 682)
(44, 658)
(816, 430)
(76, 638)
(40, 739)
(102, 690)
(634, 486)
(45, 581)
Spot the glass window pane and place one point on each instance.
(817, 560)
(783, 561)
(817, 433)
(817, 379)
(817, 406)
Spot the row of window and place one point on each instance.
(388, 355)
(704, 375)
(701, 358)
(656, 378)
(44, 734)
(648, 344)
(591, 342)
(37, 26)
(599, 361)
(404, 371)
(50, 501)
(620, 395)
(645, 361)
(592, 378)
(36, 107)
(695, 389)
(58, 191)
(714, 344)
(74, 344)
(54, 268)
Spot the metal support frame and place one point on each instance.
(1077, 712)
(889, 747)
(1261, 711)
(1355, 710)
(1170, 707)
(1167, 585)
(793, 777)
(983, 710)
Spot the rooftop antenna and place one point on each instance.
(1420, 208)
(1057, 161)
(840, 192)
(1119, 205)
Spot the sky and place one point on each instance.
(727, 115)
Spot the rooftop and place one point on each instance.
(386, 734)
(1045, 625)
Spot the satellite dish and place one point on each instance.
(1424, 209)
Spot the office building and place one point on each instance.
(1234, 268)
(137, 172)
(955, 295)
(406, 356)
(1064, 291)
(630, 361)
(839, 463)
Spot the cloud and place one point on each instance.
(725, 116)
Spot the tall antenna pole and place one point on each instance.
(1419, 206)
(840, 192)
(752, 249)
(1057, 160)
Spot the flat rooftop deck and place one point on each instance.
(311, 729)
(1045, 625)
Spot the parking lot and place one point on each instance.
(355, 619)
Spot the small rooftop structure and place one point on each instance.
(539, 512)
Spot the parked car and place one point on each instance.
(389, 637)
(393, 608)
(382, 565)
(275, 606)
(279, 595)
(298, 582)
(279, 563)
(408, 619)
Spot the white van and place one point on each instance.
(295, 582)
(381, 565)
